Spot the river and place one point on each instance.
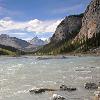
(20, 74)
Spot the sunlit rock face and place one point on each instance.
(80, 25)
(68, 28)
(91, 20)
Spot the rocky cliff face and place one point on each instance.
(13, 41)
(91, 20)
(89, 24)
(68, 28)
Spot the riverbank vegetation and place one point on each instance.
(7, 50)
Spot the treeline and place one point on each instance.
(8, 50)
(83, 44)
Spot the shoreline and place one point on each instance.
(67, 54)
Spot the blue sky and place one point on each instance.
(28, 18)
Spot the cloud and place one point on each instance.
(35, 25)
(28, 29)
(19, 33)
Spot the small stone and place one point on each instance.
(63, 87)
(58, 97)
(97, 95)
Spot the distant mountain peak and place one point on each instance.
(35, 38)
(13, 41)
(37, 42)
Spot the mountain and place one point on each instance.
(37, 42)
(89, 35)
(13, 42)
(65, 31)
(76, 33)
(68, 28)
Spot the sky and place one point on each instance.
(26, 19)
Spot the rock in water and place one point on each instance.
(71, 89)
(58, 97)
(97, 95)
(90, 85)
(40, 90)
(65, 88)
(99, 86)
(37, 90)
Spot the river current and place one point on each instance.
(20, 74)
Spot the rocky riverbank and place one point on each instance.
(89, 86)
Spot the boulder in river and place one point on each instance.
(90, 85)
(99, 86)
(65, 88)
(97, 95)
(71, 89)
(40, 90)
(58, 97)
(51, 57)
